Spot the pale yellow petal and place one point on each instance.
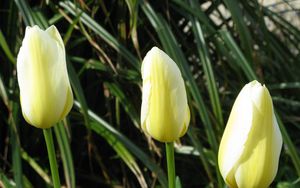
(186, 122)
(68, 104)
(258, 164)
(235, 134)
(145, 103)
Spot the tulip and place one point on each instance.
(165, 113)
(45, 92)
(251, 144)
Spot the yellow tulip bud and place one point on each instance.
(165, 113)
(251, 143)
(45, 91)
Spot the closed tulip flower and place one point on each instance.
(45, 91)
(165, 113)
(251, 143)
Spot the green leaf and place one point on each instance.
(6, 49)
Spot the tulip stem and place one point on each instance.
(52, 157)
(170, 164)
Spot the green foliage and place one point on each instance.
(218, 45)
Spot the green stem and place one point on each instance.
(170, 163)
(52, 158)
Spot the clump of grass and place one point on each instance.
(218, 45)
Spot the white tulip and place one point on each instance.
(165, 113)
(251, 143)
(45, 91)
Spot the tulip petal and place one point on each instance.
(264, 156)
(145, 104)
(186, 122)
(68, 104)
(235, 136)
(53, 32)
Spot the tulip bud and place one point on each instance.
(165, 113)
(251, 143)
(45, 92)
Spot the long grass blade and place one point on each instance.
(204, 56)
(106, 36)
(66, 154)
(125, 101)
(241, 60)
(6, 182)
(238, 17)
(15, 147)
(102, 127)
(5, 48)
(39, 170)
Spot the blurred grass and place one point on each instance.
(218, 45)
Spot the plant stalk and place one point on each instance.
(170, 164)
(52, 157)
